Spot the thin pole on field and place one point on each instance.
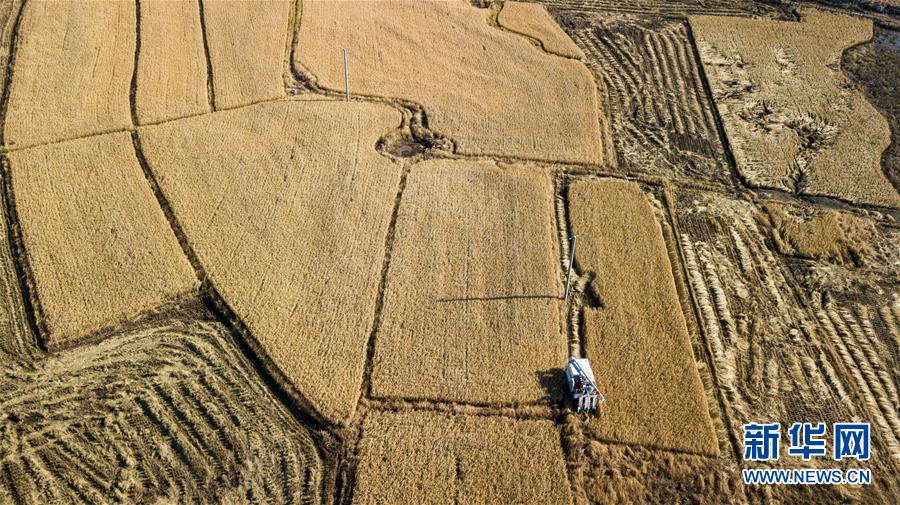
(572, 240)
(346, 76)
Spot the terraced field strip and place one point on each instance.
(73, 71)
(636, 338)
(793, 120)
(99, 247)
(171, 73)
(418, 457)
(246, 49)
(469, 77)
(169, 412)
(472, 305)
(660, 118)
(286, 206)
(676, 8)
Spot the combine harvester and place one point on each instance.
(584, 391)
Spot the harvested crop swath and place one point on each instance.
(792, 118)
(418, 457)
(821, 234)
(246, 49)
(636, 339)
(287, 205)
(661, 122)
(100, 249)
(472, 309)
(9, 12)
(473, 80)
(533, 20)
(666, 8)
(17, 343)
(166, 413)
(171, 78)
(73, 71)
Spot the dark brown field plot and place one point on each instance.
(73, 70)
(636, 338)
(247, 44)
(99, 247)
(666, 8)
(168, 413)
(172, 71)
(794, 120)
(873, 66)
(491, 91)
(434, 458)
(472, 309)
(779, 352)
(661, 122)
(287, 206)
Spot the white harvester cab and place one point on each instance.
(583, 388)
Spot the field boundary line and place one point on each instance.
(210, 83)
(132, 93)
(462, 409)
(494, 21)
(10, 66)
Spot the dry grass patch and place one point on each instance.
(637, 339)
(73, 71)
(287, 205)
(821, 234)
(172, 63)
(472, 309)
(246, 47)
(99, 246)
(792, 117)
(491, 91)
(533, 20)
(419, 457)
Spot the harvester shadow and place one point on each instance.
(552, 383)
(497, 298)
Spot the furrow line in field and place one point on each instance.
(210, 83)
(657, 72)
(876, 356)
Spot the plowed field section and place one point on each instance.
(287, 205)
(472, 300)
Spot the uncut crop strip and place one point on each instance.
(659, 111)
(662, 7)
(17, 342)
(171, 411)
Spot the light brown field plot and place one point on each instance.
(784, 348)
(821, 234)
(247, 43)
(472, 303)
(793, 119)
(287, 205)
(661, 121)
(99, 246)
(17, 343)
(489, 90)
(172, 75)
(73, 71)
(534, 21)
(168, 413)
(423, 458)
(637, 338)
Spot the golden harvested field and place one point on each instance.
(99, 247)
(473, 80)
(222, 280)
(421, 457)
(460, 321)
(290, 227)
(171, 73)
(247, 43)
(73, 71)
(534, 21)
(792, 120)
(641, 357)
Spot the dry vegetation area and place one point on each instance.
(169, 412)
(793, 121)
(820, 234)
(246, 49)
(289, 225)
(534, 21)
(473, 80)
(171, 73)
(472, 308)
(72, 73)
(636, 336)
(421, 457)
(99, 247)
(660, 120)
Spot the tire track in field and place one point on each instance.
(166, 411)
